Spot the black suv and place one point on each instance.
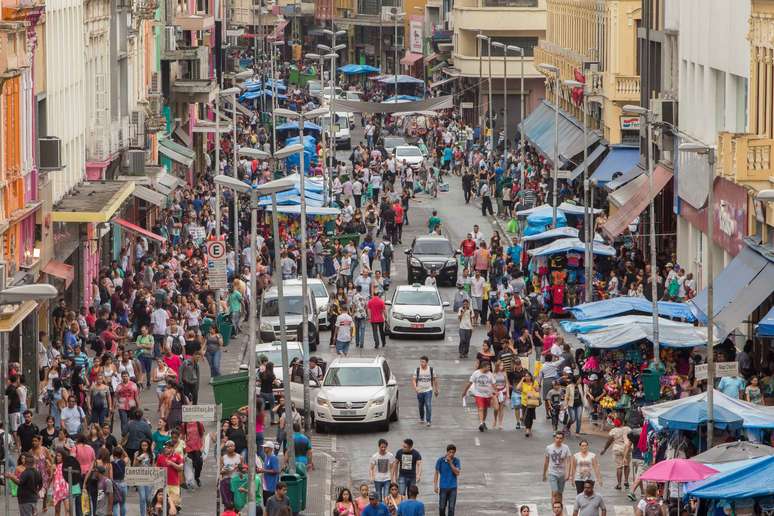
(432, 253)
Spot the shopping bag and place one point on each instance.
(512, 226)
(188, 471)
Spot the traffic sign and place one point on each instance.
(203, 413)
(216, 264)
(144, 475)
(216, 249)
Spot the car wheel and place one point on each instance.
(396, 414)
(319, 427)
(443, 336)
(384, 426)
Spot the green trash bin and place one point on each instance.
(296, 484)
(230, 390)
(651, 382)
(225, 328)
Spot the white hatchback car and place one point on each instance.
(273, 352)
(411, 154)
(320, 294)
(416, 310)
(356, 391)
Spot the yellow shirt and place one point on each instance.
(525, 388)
(487, 288)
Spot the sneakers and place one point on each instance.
(518, 425)
(428, 424)
(481, 427)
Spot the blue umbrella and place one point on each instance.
(691, 416)
(255, 85)
(357, 69)
(293, 126)
(404, 98)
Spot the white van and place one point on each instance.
(343, 121)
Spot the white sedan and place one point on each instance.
(410, 154)
(416, 310)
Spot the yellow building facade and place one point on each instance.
(595, 31)
(747, 159)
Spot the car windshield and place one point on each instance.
(314, 85)
(411, 152)
(293, 306)
(438, 248)
(318, 290)
(391, 143)
(351, 95)
(275, 355)
(354, 377)
(416, 297)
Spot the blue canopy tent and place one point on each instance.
(310, 156)
(252, 95)
(616, 332)
(311, 211)
(538, 220)
(766, 325)
(403, 98)
(563, 232)
(566, 245)
(358, 69)
(292, 127)
(312, 184)
(621, 305)
(255, 85)
(751, 480)
(691, 416)
(401, 79)
(292, 197)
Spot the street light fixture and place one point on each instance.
(271, 188)
(396, 15)
(765, 195)
(504, 48)
(522, 100)
(705, 150)
(554, 70)
(488, 40)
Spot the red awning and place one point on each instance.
(410, 58)
(431, 57)
(134, 228)
(61, 270)
(279, 31)
(635, 205)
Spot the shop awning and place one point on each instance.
(622, 195)
(618, 161)
(573, 174)
(638, 202)
(620, 181)
(92, 202)
(410, 58)
(177, 152)
(279, 31)
(134, 228)
(9, 321)
(540, 131)
(437, 84)
(766, 325)
(151, 196)
(167, 183)
(739, 289)
(60, 270)
(431, 57)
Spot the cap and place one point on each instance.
(268, 444)
(593, 377)
(669, 264)
(567, 370)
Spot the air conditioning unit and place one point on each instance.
(50, 153)
(135, 162)
(137, 129)
(170, 39)
(665, 110)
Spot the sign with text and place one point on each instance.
(416, 34)
(721, 369)
(700, 372)
(202, 413)
(198, 233)
(216, 264)
(630, 123)
(144, 476)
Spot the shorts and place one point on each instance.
(556, 483)
(27, 509)
(482, 402)
(342, 348)
(622, 458)
(173, 495)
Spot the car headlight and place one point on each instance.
(266, 327)
(323, 402)
(378, 401)
(436, 317)
(451, 263)
(398, 315)
(416, 263)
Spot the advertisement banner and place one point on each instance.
(730, 215)
(416, 35)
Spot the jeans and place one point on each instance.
(213, 359)
(147, 365)
(465, 341)
(360, 329)
(99, 415)
(576, 413)
(447, 499)
(486, 206)
(146, 492)
(198, 463)
(425, 400)
(378, 329)
(158, 343)
(236, 319)
(119, 509)
(268, 403)
(124, 415)
(381, 488)
(404, 483)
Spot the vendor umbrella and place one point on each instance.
(732, 452)
(693, 415)
(678, 470)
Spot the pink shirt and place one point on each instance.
(126, 393)
(85, 456)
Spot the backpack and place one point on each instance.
(517, 309)
(387, 250)
(432, 375)
(176, 348)
(652, 507)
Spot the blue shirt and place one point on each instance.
(730, 386)
(514, 251)
(447, 479)
(379, 510)
(411, 508)
(270, 479)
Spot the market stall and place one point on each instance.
(624, 305)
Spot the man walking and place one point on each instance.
(380, 469)
(447, 469)
(412, 506)
(556, 465)
(29, 482)
(189, 374)
(425, 384)
(408, 463)
(588, 503)
(377, 311)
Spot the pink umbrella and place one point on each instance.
(678, 470)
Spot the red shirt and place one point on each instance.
(174, 362)
(173, 475)
(468, 247)
(376, 309)
(398, 209)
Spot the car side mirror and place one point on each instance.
(392, 383)
(407, 251)
(445, 304)
(388, 303)
(457, 252)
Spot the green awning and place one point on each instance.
(177, 152)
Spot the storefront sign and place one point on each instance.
(730, 215)
(144, 476)
(216, 264)
(466, 105)
(630, 123)
(721, 369)
(203, 413)
(198, 233)
(415, 35)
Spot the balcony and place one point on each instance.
(623, 88)
(244, 17)
(186, 54)
(500, 15)
(194, 90)
(469, 66)
(13, 47)
(195, 22)
(564, 59)
(746, 158)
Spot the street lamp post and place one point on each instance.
(522, 101)
(483, 38)
(710, 153)
(332, 55)
(504, 48)
(272, 48)
(480, 43)
(304, 240)
(555, 168)
(272, 188)
(396, 15)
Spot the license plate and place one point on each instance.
(417, 325)
(349, 412)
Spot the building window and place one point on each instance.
(527, 43)
(510, 3)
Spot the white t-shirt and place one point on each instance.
(382, 466)
(483, 384)
(357, 188)
(466, 321)
(344, 327)
(159, 319)
(477, 286)
(424, 379)
(557, 458)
